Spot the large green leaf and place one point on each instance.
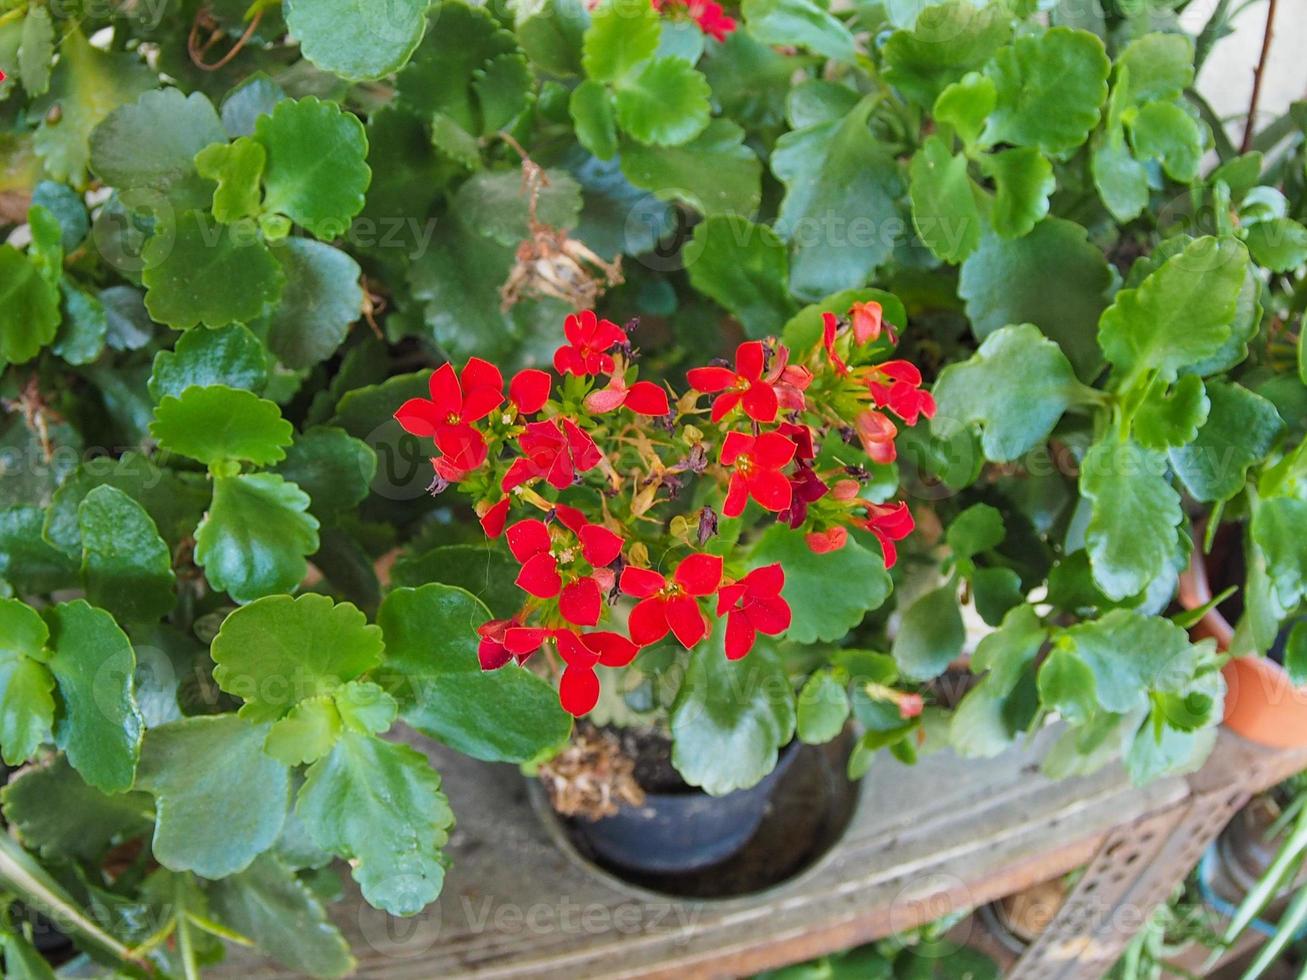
(230, 356)
(216, 423)
(1276, 530)
(380, 806)
(946, 41)
(1014, 388)
(665, 103)
(27, 562)
(1131, 536)
(321, 298)
(508, 715)
(152, 142)
(945, 210)
(1023, 182)
(220, 801)
(100, 726)
(317, 173)
(1181, 314)
(930, 635)
(357, 39)
(988, 718)
(841, 191)
(29, 307)
(715, 173)
(1240, 430)
(126, 566)
(1050, 88)
(620, 37)
(1005, 281)
(255, 537)
(26, 700)
(279, 650)
(742, 266)
(821, 612)
(332, 467)
(731, 718)
(1165, 132)
(1157, 67)
(803, 23)
(1280, 244)
(198, 271)
(823, 708)
(488, 573)
(496, 205)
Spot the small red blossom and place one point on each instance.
(643, 398)
(589, 339)
(824, 542)
(457, 402)
(554, 450)
(877, 433)
(889, 523)
(671, 606)
(896, 385)
(869, 322)
(493, 651)
(911, 706)
(493, 517)
(578, 690)
(743, 386)
(806, 487)
(708, 14)
(580, 599)
(757, 463)
(753, 605)
(530, 389)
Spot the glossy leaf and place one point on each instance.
(29, 307)
(944, 206)
(930, 635)
(26, 685)
(664, 103)
(743, 267)
(126, 566)
(1240, 429)
(946, 41)
(332, 467)
(356, 39)
(216, 423)
(230, 356)
(152, 142)
(715, 173)
(321, 299)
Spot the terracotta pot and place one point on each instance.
(1260, 702)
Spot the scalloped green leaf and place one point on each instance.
(230, 356)
(946, 41)
(1240, 429)
(360, 40)
(29, 307)
(152, 142)
(945, 211)
(126, 566)
(664, 103)
(743, 267)
(620, 36)
(237, 169)
(802, 23)
(26, 685)
(930, 636)
(216, 423)
(591, 108)
(1023, 183)
(715, 173)
(320, 301)
(332, 467)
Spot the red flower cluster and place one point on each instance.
(591, 459)
(710, 17)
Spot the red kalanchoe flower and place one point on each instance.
(493, 651)
(589, 339)
(757, 463)
(896, 385)
(806, 487)
(671, 606)
(493, 517)
(801, 436)
(554, 450)
(582, 652)
(708, 14)
(753, 605)
(869, 323)
(743, 386)
(529, 390)
(830, 325)
(889, 523)
(877, 434)
(824, 542)
(447, 417)
(643, 398)
(580, 600)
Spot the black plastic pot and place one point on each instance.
(678, 832)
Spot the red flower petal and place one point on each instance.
(522, 641)
(887, 547)
(493, 520)
(539, 577)
(824, 542)
(518, 473)
(585, 454)
(766, 581)
(419, 417)
(599, 545)
(567, 360)
(480, 402)
(648, 621)
(579, 328)
(529, 538)
(729, 596)
(750, 360)
(614, 649)
(492, 654)
(581, 603)
(770, 615)
(646, 398)
(724, 404)
(605, 400)
(478, 373)
(446, 394)
(761, 403)
(740, 636)
(570, 518)
(699, 574)
(641, 582)
(771, 489)
(574, 651)
(773, 450)
(578, 691)
(735, 445)
(737, 496)
(710, 379)
(686, 620)
(530, 389)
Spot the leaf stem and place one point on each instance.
(1250, 124)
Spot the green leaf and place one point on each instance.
(1240, 430)
(841, 191)
(307, 733)
(1159, 67)
(1131, 536)
(126, 566)
(1023, 182)
(202, 272)
(975, 531)
(945, 211)
(152, 142)
(1279, 244)
(357, 39)
(801, 23)
(551, 33)
(743, 267)
(1122, 181)
(947, 41)
(1276, 531)
(279, 650)
(730, 718)
(621, 35)
(100, 726)
(216, 423)
(88, 84)
(332, 467)
(27, 562)
(1295, 654)
(804, 329)
(23, 961)
(317, 173)
(486, 572)
(715, 173)
(1167, 419)
(1164, 132)
(1005, 281)
(494, 203)
(980, 392)
(271, 905)
(322, 298)
(507, 715)
(1067, 686)
(1180, 314)
(229, 356)
(930, 636)
(380, 806)
(57, 813)
(665, 103)
(237, 168)
(1050, 89)
(254, 538)
(220, 801)
(823, 708)
(821, 613)
(81, 337)
(986, 721)
(36, 51)
(965, 105)
(26, 685)
(29, 307)
(1131, 655)
(591, 108)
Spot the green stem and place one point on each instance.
(185, 946)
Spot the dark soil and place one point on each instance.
(652, 754)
